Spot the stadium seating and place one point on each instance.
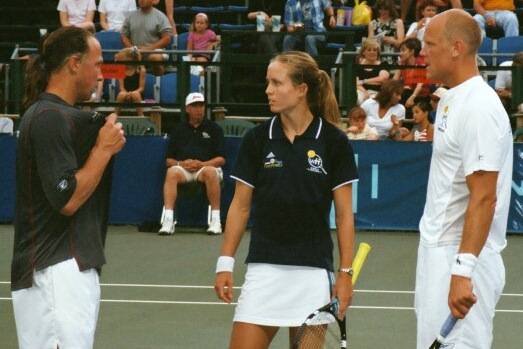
(509, 45)
(486, 48)
(235, 128)
(109, 40)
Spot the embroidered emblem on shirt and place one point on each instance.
(272, 162)
(63, 185)
(205, 135)
(315, 162)
(442, 126)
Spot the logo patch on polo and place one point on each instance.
(63, 185)
(205, 135)
(315, 162)
(272, 162)
(442, 125)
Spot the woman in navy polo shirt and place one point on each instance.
(291, 168)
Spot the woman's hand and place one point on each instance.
(223, 286)
(343, 292)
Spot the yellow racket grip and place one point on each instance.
(362, 253)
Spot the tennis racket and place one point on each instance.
(448, 325)
(322, 328)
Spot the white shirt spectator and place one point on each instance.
(76, 9)
(420, 34)
(116, 11)
(472, 133)
(384, 124)
(504, 77)
(6, 125)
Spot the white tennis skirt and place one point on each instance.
(282, 295)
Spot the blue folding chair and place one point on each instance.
(182, 41)
(486, 47)
(151, 89)
(168, 88)
(509, 45)
(109, 40)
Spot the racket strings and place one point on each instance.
(318, 336)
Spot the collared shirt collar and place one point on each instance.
(51, 97)
(313, 131)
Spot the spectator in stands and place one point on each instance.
(369, 79)
(423, 130)
(387, 28)
(504, 78)
(195, 154)
(168, 9)
(267, 43)
(114, 12)
(415, 79)
(149, 30)
(201, 38)
(426, 10)
(358, 128)
(78, 13)
(498, 13)
(308, 16)
(132, 86)
(6, 125)
(407, 15)
(384, 112)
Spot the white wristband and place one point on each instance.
(225, 263)
(464, 264)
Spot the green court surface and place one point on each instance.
(157, 293)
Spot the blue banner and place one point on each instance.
(389, 195)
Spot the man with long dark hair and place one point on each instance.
(62, 191)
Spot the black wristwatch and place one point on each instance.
(349, 271)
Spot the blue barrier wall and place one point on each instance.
(389, 195)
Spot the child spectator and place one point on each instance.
(426, 10)
(78, 13)
(114, 12)
(423, 130)
(359, 129)
(201, 38)
(414, 80)
(369, 79)
(387, 28)
(132, 86)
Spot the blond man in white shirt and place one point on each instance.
(463, 228)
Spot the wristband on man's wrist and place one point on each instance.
(225, 263)
(464, 265)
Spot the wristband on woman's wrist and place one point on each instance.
(464, 264)
(225, 263)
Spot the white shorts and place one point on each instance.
(193, 176)
(59, 310)
(281, 295)
(432, 290)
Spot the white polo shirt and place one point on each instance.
(471, 133)
(116, 11)
(383, 124)
(76, 9)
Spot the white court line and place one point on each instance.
(139, 301)
(238, 287)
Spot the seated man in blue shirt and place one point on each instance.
(195, 153)
(307, 15)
